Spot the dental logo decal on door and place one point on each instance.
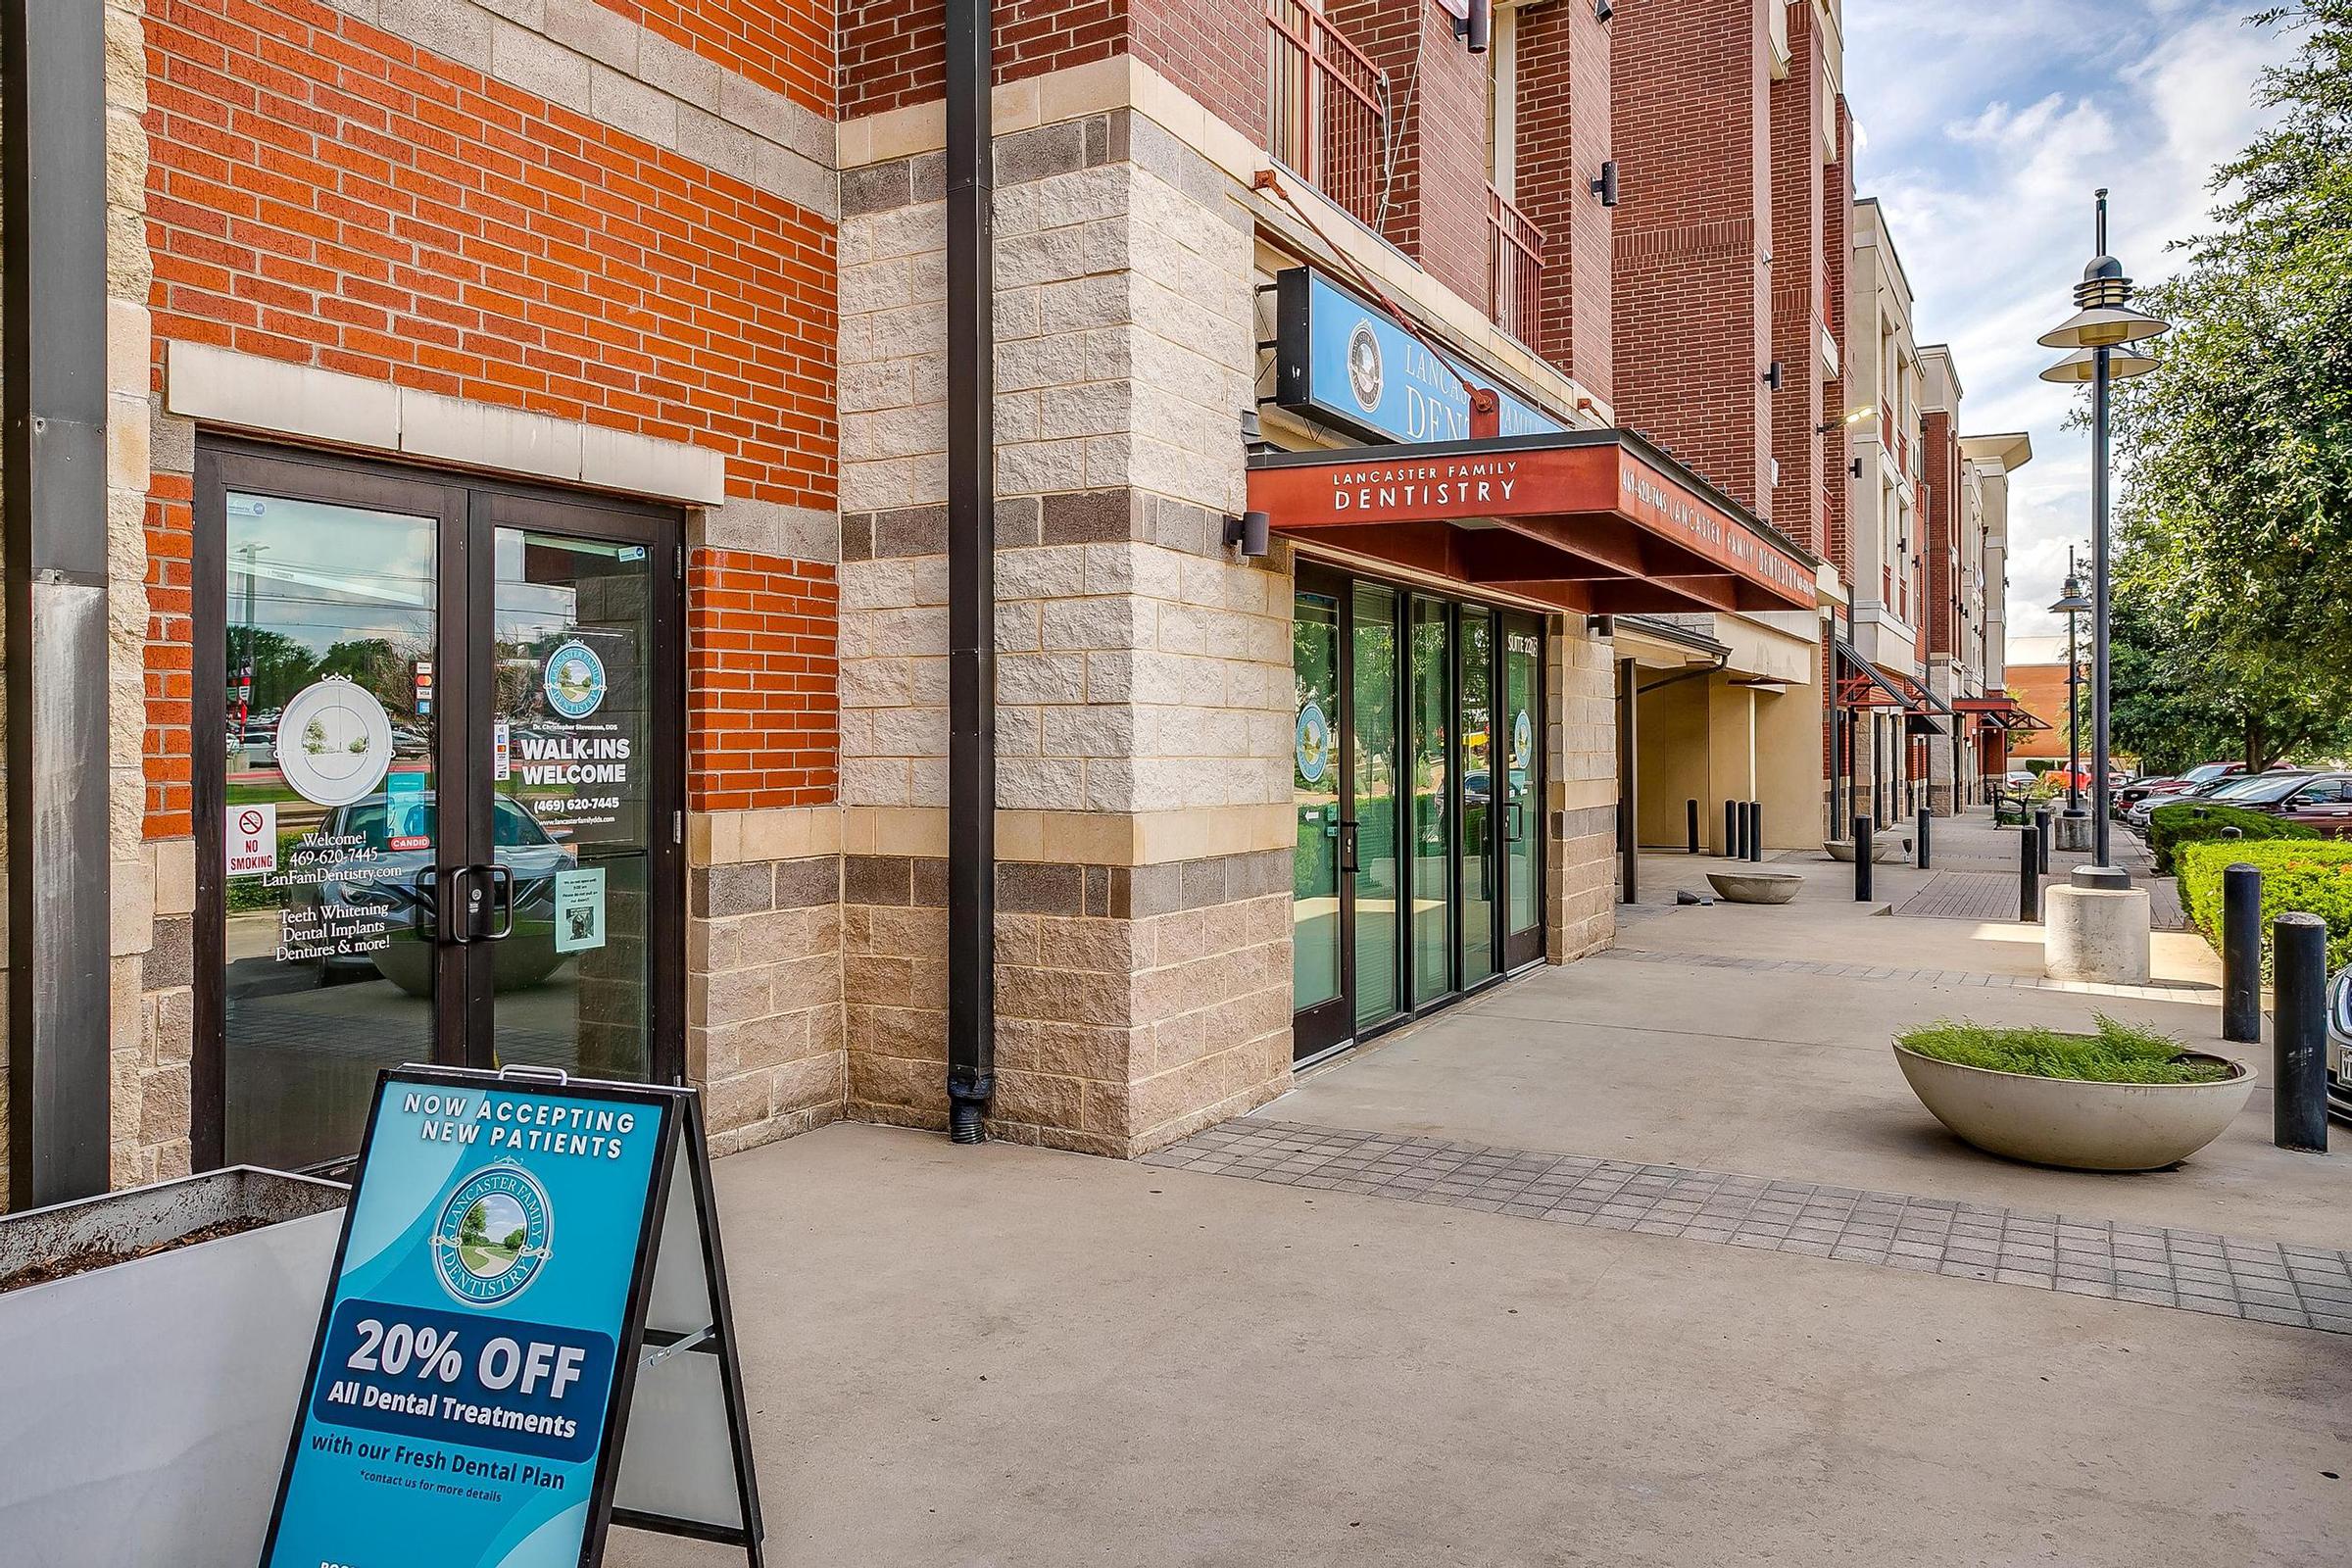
(574, 680)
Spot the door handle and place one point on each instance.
(1347, 849)
(456, 922)
(1514, 824)
(502, 898)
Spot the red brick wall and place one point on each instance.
(784, 45)
(1798, 264)
(324, 193)
(1437, 190)
(1215, 50)
(1940, 461)
(761, 680)
(1563, 140)
(1692, 126)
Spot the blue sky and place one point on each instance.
(1984, 127)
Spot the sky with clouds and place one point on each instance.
(1985, 127)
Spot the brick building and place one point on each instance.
(1731, 137)
(531, 580)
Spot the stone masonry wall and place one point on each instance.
(152, 1008)
(1581, 871)
(1143, 673)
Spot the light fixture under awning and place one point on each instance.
(1597, 522)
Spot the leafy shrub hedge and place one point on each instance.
(2195, 821)
(2314, 877)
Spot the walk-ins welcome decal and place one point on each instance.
(459, 1408)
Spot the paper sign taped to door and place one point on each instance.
(579, 909)
(252, 837)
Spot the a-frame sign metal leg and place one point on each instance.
(686, 1464)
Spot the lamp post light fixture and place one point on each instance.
(2100, 334)
(2071, 604)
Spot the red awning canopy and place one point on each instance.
(2002, 712)
(1591, 521)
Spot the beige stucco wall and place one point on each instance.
(1672, 763)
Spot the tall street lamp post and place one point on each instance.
(2071, 604)
(2099, 335)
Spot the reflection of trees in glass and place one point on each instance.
(379, 665)
(281, 667)
(313, 738)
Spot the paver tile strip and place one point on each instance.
(2263, 1281)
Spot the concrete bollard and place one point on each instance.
(2299, 1033)
(1863, 855)
(1925, 817)
(2095, 927)
(2241, 954)
(2028, 872)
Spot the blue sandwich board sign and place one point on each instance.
(526, 1337)
(1347, 364)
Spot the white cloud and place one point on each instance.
(1992, 123)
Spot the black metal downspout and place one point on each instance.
(53, 530)
(971, 573)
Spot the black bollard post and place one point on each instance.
(1925, 817)
(1862, 858)
(1731, 829)
(1756, 830)
(2028, 872)
(2042, 835)
(2299, 1033)
(1691, 820)
(2241, 954)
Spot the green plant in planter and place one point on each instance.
(2118, 1053)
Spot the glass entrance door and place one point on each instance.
(1521, 741)
(1417, 780)
(1319, 949)
(438, 817)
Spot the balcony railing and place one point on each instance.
(1514, 267)
(1327, 110)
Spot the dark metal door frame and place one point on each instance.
(466, 512)
(1331, 1023)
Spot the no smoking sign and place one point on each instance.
(252, 839)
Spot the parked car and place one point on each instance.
(2230, 790)
(2339, 1042)
(2321, 802)
(2141, 789)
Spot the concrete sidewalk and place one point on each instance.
(1650, 1260)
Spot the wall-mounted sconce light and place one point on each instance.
(1602, 11)
(1605, 187)
(1249, 531)
(1475, 26)
(1601, 625)
(1775, 377)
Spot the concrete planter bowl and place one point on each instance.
(148, 1396)
(1755, 887)
(2074, 1123)
(1886, 848)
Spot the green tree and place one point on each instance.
(2236, 451)
(2179, 701)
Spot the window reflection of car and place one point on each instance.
(398, 888)
(2339, 1042)
(406, 742)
